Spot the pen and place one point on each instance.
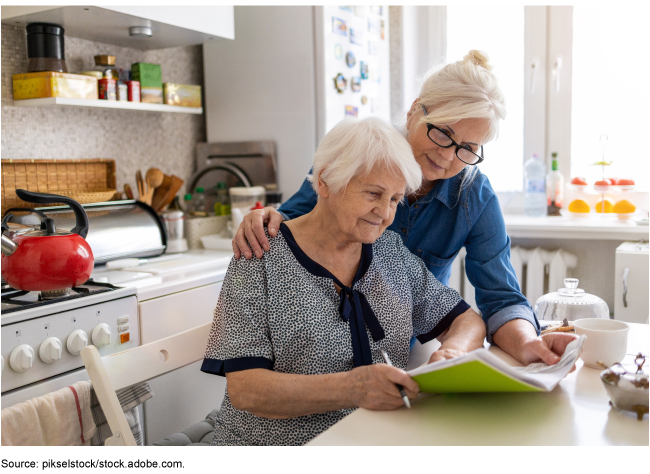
(407, 403)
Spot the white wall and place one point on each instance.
(261, 87)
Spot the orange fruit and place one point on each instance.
(607, 204)
(624, 207)
(579, 206)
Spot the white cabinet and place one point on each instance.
(631, 284)
(172, 25)
(184, 396)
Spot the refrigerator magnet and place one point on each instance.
(351, 111)
(350, 60)
(356, 37)
(339, 27)
(372, 48)
(338, 51)
(364, 99)
(355, 84)
(363, 69)
(346, 8)
(340, 82)
(374, 26)
(382, 30)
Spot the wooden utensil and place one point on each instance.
(174, 187)
(145, 191)
(160, 192)
(128, 191)
(155, 176)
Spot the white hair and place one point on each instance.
(355, 147)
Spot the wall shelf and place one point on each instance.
(107, 104)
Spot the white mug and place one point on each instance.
(606, 341)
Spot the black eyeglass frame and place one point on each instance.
(458, 147)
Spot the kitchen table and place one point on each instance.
(576, 412)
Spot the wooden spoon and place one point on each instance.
(155, 177)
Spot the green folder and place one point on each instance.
(483, 371)
(474, 376)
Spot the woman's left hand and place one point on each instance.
(444, 354)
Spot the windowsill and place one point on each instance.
(592, 227)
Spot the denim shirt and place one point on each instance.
(438, 225)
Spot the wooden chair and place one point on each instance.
(116, 371)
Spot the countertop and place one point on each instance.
(576, 412)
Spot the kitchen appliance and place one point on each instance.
(631, 303)
(48, 259)
(236, 164)
(571, 303)
(45, 48)
(279, 84)
(118, 229)
(42, 335)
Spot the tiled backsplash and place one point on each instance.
(135, 139)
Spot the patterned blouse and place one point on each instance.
(283, 313)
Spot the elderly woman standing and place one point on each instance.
(457, 112)
(299, 333)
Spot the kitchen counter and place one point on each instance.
(575, 228)
(576, 412)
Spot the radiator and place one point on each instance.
(539, 271)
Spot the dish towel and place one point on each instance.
(129, 398)
(61, 418)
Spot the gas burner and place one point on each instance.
(53, 294)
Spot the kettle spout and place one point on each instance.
(8, 245)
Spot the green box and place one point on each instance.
(149, 75)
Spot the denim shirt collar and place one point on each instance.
(445, 191)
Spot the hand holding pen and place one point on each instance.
(407, 403)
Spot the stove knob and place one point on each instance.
(51, 349)
(22, 358)
(102, 335)
(77, 340)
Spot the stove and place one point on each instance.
(42, 334)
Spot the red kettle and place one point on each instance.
(48, 259)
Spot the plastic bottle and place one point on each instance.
(534, 187)
(222, 204)
(198, 199)
(188, 204)
(554, 189)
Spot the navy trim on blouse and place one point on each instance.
(354, 307)
(444, 323)
(222, 367)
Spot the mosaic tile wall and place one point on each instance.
(135, 139)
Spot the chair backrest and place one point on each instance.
(116, 371)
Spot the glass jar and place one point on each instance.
(571, 303)
(243, 198)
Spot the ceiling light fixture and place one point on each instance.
(140, 31)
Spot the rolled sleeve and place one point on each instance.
(510, 313)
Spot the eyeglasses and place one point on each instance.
(440, 138)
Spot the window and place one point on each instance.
(610, 92)
(504, 44)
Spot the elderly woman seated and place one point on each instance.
(299, 333)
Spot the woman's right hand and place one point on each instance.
(251, 231)
(374, 387)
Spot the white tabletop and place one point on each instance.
(576, 412)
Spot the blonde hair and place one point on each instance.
(355, 147)
(461, 90)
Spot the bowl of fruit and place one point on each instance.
(625, 184)
(579, 184)
(602, 186)
(579, 208)
(624, 209)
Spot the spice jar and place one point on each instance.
(106, 64)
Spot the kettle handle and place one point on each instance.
(81, 224)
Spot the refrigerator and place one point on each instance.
(292, 73)
(631, 302)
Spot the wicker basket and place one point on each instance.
(197, 227)
(84, 181)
